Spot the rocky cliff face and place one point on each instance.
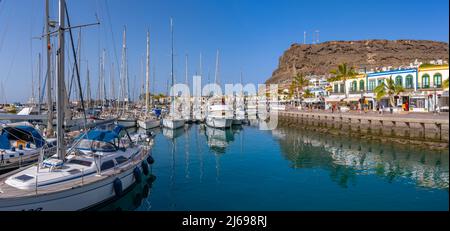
(319, 59)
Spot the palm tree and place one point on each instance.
(299, 82)
(445, 84)
(343, 73)
(389, 88)
(308, 94)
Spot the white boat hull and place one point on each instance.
(127, 123)
(149, 124)
(173, 123)
(79, 198)
(219, 122)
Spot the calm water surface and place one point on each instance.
(201, 168)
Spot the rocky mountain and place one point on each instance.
(319, 59)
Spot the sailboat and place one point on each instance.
(172, 120)
(126, 119)
(100, 165)
(218, 114)
(21, 145)
(148, 121)
(239, 110)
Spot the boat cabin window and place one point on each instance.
(121, 159)
(107, 165)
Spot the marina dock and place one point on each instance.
(414, 127)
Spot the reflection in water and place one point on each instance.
(346, 157)
(218, 139)
(203, 168)
(173, 133)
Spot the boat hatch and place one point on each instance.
(24, 177)
(74, 171)
(81, 162)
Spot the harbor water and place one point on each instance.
(244, 168)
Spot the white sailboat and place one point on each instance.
(99, 166)
(148, 121)
(126, 119)
(218, 113)
(239, 108)
(172, 120)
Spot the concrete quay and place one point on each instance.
(421, 127)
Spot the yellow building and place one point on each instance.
(430, 92)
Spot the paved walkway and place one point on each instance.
(409, 115)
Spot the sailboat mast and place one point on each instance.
(200, 71)
(88, 86)
(49, 71)
(147, 74)
(60, 107)
(171, 51)
(171, 72)
(39, 83)
(186, 74)
(216, 74)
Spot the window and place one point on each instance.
(121, 159)
(380, 81)
(342, 88)
(398, 80)
(354, 85)
(107, 165)
(336, 88)
(437, 80)
(425, 81)
(409, 81)
(417, 103)
(361, 85)
(371, 85)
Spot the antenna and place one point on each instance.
(317, 31)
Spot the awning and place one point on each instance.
(333, 99)
(311, 100)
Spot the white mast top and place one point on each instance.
(147, 71)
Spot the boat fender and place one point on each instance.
(150, 160)
(137, 175)
(117, 186)
(145, 191)
(145, 167)
(20, 147)
(13, 148)
(28, 145)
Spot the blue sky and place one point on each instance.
(250, 34)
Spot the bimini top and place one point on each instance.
(20, 132)
(103, 135)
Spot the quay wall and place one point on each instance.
(433, 132)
